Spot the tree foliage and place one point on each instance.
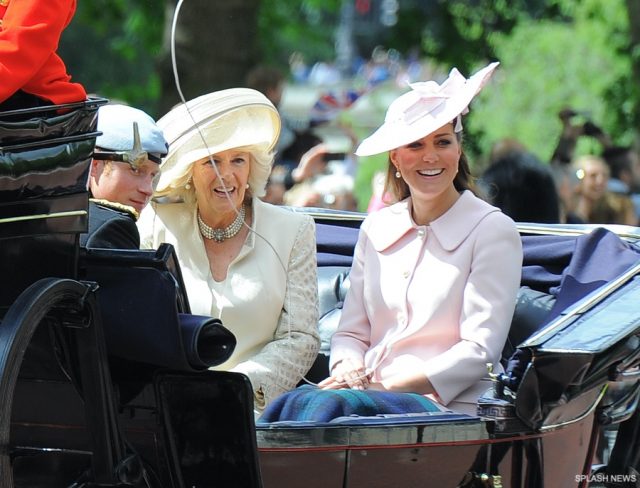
(554, 52)
(216, 44)
(458, 32)
(297, 25)
(112, 46)
(549, 65)
(119, 48)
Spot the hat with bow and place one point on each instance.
(427, 107)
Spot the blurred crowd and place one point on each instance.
(602, 187)
(598, 188)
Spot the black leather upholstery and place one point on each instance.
(532, 310)
(145, 311)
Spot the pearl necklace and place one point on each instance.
(220, 235)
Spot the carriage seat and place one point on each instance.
(532, 307)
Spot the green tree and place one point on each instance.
(111, 48)
(585, 53)
(216, 45)
(120, 49)
(297, 25)
(550, 65)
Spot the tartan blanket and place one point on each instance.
(309, 403)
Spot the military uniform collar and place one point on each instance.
(117, 206)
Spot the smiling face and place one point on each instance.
(217, 206)
(119, 182)
(429, 167)
(594, 176)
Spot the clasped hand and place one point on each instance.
(348, 373)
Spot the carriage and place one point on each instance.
(104, 370)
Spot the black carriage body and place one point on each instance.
(541, 431)
(44, 169)
(90, 396)
(103, 368)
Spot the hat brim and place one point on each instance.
(398, 132)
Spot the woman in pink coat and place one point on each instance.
(435, 275)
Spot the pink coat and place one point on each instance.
(436, 298)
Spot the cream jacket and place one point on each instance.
(269, 299)
(437, 299)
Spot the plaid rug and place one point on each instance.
(311, 404)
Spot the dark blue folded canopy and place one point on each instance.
(572, 267)
(335, 244)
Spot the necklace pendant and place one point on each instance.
(217, 235)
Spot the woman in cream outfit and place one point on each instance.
(435, 276)
(247, 262)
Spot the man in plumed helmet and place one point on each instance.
(124, 171)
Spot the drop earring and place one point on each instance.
(188, 185)
(398, 175)
(247, 186)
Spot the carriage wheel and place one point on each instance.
(16, 331)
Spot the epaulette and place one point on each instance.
(117, 206)
(3, 8)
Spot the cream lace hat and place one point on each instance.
(427, 107)
(216, 122)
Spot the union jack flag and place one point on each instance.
(332, 103)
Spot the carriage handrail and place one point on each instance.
(50, 108)
(54, 215)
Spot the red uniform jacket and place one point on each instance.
(29, 34)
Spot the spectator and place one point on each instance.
(298, 67)
(324, 73)
(299, 154)
(593, 202)
(566, 182)
(571, 132)
(520, 185)
(270, 81)
(624, 164)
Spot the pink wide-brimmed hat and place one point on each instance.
(427, 107)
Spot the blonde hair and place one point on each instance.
(261, 162)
